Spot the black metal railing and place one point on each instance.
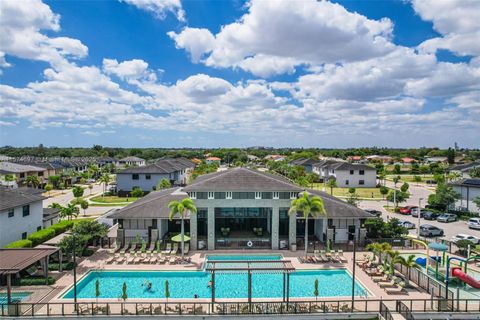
(404, 310)
(385, 312)
(373, 306)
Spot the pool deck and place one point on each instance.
(97, 262)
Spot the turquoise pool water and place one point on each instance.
(332, 283)
(16, 297)
(230, 257)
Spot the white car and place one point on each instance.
(461, 236)
(474, 223)
(407, 224)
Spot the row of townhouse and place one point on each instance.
(347, 175)
(176, 170)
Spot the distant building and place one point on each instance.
(196, 161)
(468, 189)
(307, 164)
(436, 160)
(21, 213)
(274, 157)
(464, 169)
(131, 161)
(176, 170)
(356, 159)
(50, 216)
(347, 175)
(408, 160)
(377, 158)
(21, 171)
(211, 160)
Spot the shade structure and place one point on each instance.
(438, 247)
(178, 238)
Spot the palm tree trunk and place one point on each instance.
(306, 235)
(181, 235)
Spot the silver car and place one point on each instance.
(474, 223)
(447, 217)
(427, 230)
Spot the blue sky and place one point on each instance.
(171, 73)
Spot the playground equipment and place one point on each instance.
(426, 247)
(461, 275)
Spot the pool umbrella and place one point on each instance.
(178, 238)
(437, 247)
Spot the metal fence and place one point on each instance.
(232, 308)
(404, 310)
(385, 312)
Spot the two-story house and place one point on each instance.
(130, 161)
(240, 208)
(21, 213)
(176, 170)
(307, 164)
(468, 189)
(21, 171)
(347, 175)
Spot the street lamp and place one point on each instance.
(74, 270)
(419, 211)
(353, 268)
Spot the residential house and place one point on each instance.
(347, 175)
(468, 189)
(443, 160)
(379, 158)
(130, 161)
(464, 169)
(240, 208)
(176, 170)
(307, 164)
(21, 213)
(50, 216)
(211, 160)
(274, 157)
(408, 160)
(21, 172)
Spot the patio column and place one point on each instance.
(275, 227)
(46, 269)
(193, 231)
(9, 288)
(292, 229)
(211, 228)
(60, 257)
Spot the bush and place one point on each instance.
(88, 252)
(65, 266)
(19, 244)
(136, 192)
(41, 236)
(35, 281)
(62, 226)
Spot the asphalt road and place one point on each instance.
(450, 229)
(67, 196)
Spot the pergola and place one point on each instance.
(12, 261)
(284, 267)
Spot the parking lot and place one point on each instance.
(450, 229)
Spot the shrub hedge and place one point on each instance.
(35, 281)
(19, 244)
(41, 236)
(65, 266)
(62, 226)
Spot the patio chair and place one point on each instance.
(387, 284)
(152, 247)
(383, 278)
(120, 258)
(168, 249)
(125, 247)
(342, 257)
(130, 259)
(186, 249)
(153, 259)
(161, 258)
(395, 290)
(111, 258)
(175, 249)
(133, 248)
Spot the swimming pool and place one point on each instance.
(16, 297)
(186, 284)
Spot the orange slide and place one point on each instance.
(471, 281)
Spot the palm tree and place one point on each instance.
(394, 259)
(410, 263)
(309, 206)
(69, 211)
(32, 180)
(181, 208)
(105, 179)
(379, 249)
(332, 183)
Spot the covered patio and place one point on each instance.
(12, 261)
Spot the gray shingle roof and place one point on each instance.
(465, 166)
(153, 205)
(303, 162)
(11, 167)
(351, 166)
(337, 208)
(242, 179)
(468, 183)
(12, 198)
(137, 159)
(162, 166)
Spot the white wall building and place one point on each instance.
(469, 189)
(131, 161)
(21, 213)
(347, 175)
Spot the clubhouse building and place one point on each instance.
(239, 209)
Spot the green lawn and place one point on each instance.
(108, 204)
(409, 177)
(343, 192)
(113, 199)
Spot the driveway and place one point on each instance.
(450, 229)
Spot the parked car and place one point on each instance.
(429, 215)
(407, 209)
(427, 230)
(374, 212)
(407, 224)
(447, 217)
(422, 212)
(462, 236)
(90, 180)
(474, 223)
